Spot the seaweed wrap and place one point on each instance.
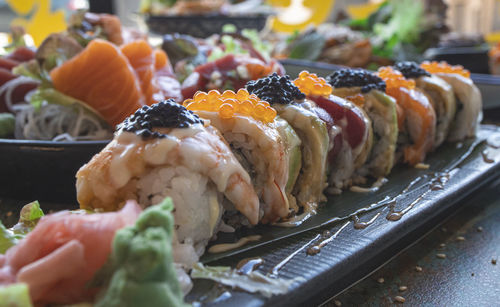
(368, 92)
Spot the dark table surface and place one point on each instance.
(459, 261)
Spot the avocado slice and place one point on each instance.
(315, 141)
(292, 144)
(443, 101)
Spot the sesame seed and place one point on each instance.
(381, 280)
(443, 229)
(472, 274)
(493, 261)
(460, 238)
(9, 213)
(441, 256)
(418, 268)
(442, 245)
(403, 288)
(480, 229)
(337, 303)
(399, 299)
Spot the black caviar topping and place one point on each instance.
(275, 89)
(356, 77)
(411, 70)
(165, 114)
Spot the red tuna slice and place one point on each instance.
(8, 63)
(63, 253)
(22, 54)
(18, 91)
(346, 115)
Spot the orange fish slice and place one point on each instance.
(101, 76)
(140, 56)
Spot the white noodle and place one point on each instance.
(51, 121)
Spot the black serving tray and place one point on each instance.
(489, 85)
(353, 253)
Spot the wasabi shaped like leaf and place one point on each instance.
(29, 217)
(140, 271)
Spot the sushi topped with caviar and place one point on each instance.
(312, 125)
(166, 150)
(439, 93)
(265, 145)
(467, 96)
(416, 116)
(367, 91)
(351, 135)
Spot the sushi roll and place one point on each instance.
(439, 93)
(266, 145)
(351, 136)
(302, 115)
(416, 116)
(467, 96)
(166, 150)
(368, 91)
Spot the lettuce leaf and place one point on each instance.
(28, 219)
(7, 124)
(15, 295)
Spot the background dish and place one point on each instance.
(43, 170)
(202, 26)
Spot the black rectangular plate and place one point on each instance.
(354, 253)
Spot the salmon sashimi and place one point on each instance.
(140, 56)
(62, 254)
(101, 76)
(153, 71)
(416, 116)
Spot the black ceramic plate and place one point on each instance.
(202, 26)
(43, 170)
(363, 228)
(489, 85)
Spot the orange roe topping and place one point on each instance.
(229, 103)
(311, 84)
(394, 79)
(357, 99)
(443, 67)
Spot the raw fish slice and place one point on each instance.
(64, 251)
(141, 58)
(101, 76)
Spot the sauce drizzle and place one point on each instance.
(315, 248)
(362, 225)
(274, 270)
(224, 247)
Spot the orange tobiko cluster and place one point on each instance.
(312, 85)
(394, 79)
(443, 67)
(229, 104)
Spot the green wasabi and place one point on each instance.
(140, 271)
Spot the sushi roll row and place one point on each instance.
(271, 150)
